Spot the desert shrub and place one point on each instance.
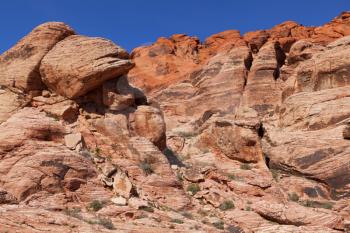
(187, 215)
(226, 205)
(176, 220)
(96, 205)
(106, 222)
(317, 204)
(146, 167)
(293, 197)
(74, 212)
(193, 188)
(219, 225)
(147, 209)
(245, 166)
(231, 176)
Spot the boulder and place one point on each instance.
(19, 66)
(79, 64)
(149, 123)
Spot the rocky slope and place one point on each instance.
(236, 134)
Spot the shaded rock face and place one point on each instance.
(19, 66)
(236, 134)
(79, 64)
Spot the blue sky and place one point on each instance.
(131, 23)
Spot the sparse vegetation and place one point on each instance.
(177, 221)
(74, 212)
(202, 212)
(274, 174)
(231, 176)
(293, 197)
(146, 167)
(97, 151)
(248, 208)
(147, 209)
(226, 205)
(96, 205)
(106, 222)
(317, 204)
(187, 215)
(188, 134)
(179, 177)
(193, 188)
(245, 166)
(219, 225)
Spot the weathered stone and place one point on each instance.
(79, 64)
(19, 66)
(149, 123)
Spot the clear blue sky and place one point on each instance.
(132, 23)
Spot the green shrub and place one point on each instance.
(274, 174)
(202, 212)
(293, 197)
(317, 204)
(231, 176)
(96, 205)
(147, 208)
(193, 188)
(178, 221)
(97, 151)
(219, 225)
(226, 205)
(74, 212)
(106, 222)
(248, 208)
(146, 167)
(245, 166)
(187, 215)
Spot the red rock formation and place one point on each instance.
(239, 133)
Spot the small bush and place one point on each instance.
(179, 177)
(177, 221)
(74, 212)
(219, 225)
(274, 174)
(96, 205)
(146, 167)
(147, 208)
(231, 176)
(188, 134)
(248, 208)
(97, 151)
(226, 205)
(187, 215)
(245, 166)
(293, 197)
(202, 212)
(317, 204)
(106, 222)
(193, 188)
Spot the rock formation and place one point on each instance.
(239, 133)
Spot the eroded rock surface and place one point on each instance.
(239, 133)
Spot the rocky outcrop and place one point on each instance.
(237, 134)
(19, 66)
(79, 64)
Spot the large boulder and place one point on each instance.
(149, 123)
(79, 64)
(19, 66)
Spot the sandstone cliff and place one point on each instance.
(239, 133)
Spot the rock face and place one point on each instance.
(237, 133)
(19, 66)
(79, 64)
